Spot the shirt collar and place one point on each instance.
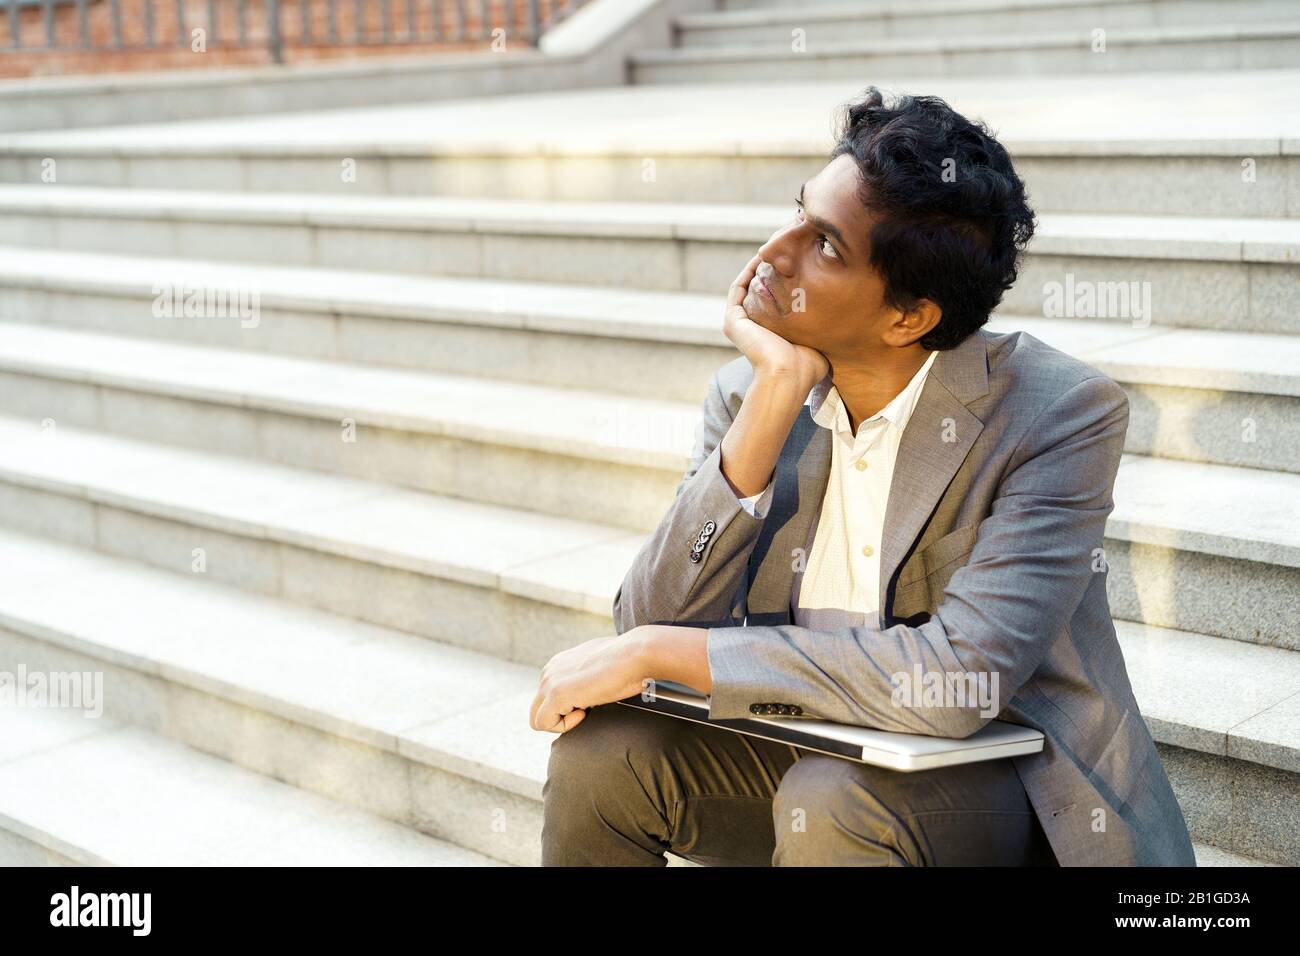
(828, 408)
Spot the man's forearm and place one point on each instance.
(675, 653)
(753, 443)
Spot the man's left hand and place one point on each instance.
(599, 671)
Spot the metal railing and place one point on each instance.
(135, 25)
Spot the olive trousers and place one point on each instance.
(626, 785)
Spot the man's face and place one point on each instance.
(826, 295)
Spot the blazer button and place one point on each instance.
(708, 527)
(755, 708)
(696, 557)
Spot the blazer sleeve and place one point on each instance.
(1035, 555)
(665, 585)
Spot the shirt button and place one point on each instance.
(861, 464)
(867, 550)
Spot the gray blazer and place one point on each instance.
(991, 562)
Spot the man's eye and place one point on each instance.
(798, 205)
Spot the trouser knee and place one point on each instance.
(593, 768)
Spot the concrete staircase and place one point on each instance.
(973, 38)
(319, 549)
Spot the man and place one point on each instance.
(883, 497)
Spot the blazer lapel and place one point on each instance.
(935, 442)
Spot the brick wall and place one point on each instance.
(305, 31)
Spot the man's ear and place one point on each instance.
(911, 326)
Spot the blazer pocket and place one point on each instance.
(953, 546)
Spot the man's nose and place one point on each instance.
(778, 247)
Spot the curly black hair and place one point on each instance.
(954, 239)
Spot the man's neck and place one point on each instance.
(869, 385)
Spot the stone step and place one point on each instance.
(1235, 771)
(1233, 273)
(1222, 397)
(561, 451)
(1207, 548)
(833, 21)
(1209, 855)
(1227, 409)
(1199, 396)
(1273, 44)
(1131, 144)
(431, 737)
(78, 789)
(437, 739)
(513, 583)
(518, 331)
(1200, 547)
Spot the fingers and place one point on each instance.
(542, 716)
(736, 293)
(566, 722)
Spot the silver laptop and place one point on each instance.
(906, 752)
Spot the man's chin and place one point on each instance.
(762, 310)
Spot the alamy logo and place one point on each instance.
(102, 909)
(945, 689)
(1082, 299)
(190, 300)
(83, 690)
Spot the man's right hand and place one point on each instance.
(784, 373)
(769, 353)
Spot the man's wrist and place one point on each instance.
(675, 653)
(646, 648)
(787, 384)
